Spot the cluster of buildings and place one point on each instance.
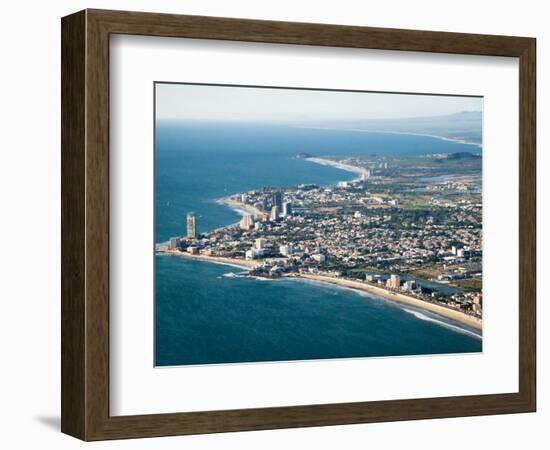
(267, 205)
(470, 302)
(346, 230)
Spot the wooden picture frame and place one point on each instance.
(85, 224)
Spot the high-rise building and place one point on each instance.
(477, 304)
(247, 222)
(259, 243)
(174, 243)
(191, 225)
(277, 200)
(394, 281)
(287, 209)
(274, 213)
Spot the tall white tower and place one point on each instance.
(191, 225)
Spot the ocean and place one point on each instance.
(204, 316)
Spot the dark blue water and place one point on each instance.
(202, 317)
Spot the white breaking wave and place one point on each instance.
(421, 316)
(235, 275)
(371, 296)
(266, 279)
(239, 209)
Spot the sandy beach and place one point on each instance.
(240, 207)
(394, 296)
(347, 167)
(444, 311)
(435, 136)
(443, 138)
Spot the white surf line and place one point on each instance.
(424, 315)
(442, 323)
(338, 165)
(360, 130)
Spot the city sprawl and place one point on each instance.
(408, 225)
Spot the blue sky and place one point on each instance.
(199, 102)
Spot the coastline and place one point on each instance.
(240, 263)
(239, 207)
(243, 209)
(446, 312)
(401, 298)
(338, 165)
(360, 130)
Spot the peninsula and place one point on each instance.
(408, 229)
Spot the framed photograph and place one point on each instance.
(272, 225)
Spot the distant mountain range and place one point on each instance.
(463, 126)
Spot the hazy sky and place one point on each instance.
(184, 102)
